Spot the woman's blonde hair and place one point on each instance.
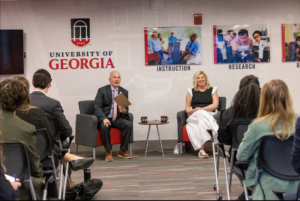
(276, 103)
(26, 104)
(152, 35)
(195, 80)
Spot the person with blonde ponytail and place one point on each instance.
(275, 117)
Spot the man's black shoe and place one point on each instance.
(81, 163)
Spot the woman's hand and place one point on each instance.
(15, 185)
(198, 108)
(190, 111)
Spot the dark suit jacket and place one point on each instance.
(6, 190)
(103, 102)
(296, 148)
(52, 107)
(15, 129)
(37, 117)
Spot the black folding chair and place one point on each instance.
(44, 150)
(237, 127)
(17, 163)
(276, 162)
(56, 132)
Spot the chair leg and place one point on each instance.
(226, 178)
(216, 173)
(94, 153)
(180, 148)
(66, 178)
(77, 145)
(245, 190)
(231, 167)
(61, 180)
(31, 188)
(55, 175)
(130, 150)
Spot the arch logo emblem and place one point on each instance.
(80, 32)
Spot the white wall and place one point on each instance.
(46, 25)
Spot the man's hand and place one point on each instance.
(106, 122)
(122, 109)
(15, 185)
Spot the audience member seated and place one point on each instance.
(7, 189)
(275, 117)
(201, 104)
(42, 82)
(296, 148)
(37, 117)
(12, 94)
(244, 106)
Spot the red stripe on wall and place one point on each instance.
(283, 41)
(146, 45)
(215, 44)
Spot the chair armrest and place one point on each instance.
(241, 164)
(240, 168)
(279, 193)
(86, 130)
(181, 121)
(130, 116)
(47, 172)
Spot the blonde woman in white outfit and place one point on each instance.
(201, 104)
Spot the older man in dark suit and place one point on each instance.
(109, 115)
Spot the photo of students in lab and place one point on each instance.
(242, 43)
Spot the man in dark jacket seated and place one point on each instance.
(42, 82)
(109, 115)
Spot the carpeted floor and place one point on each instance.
(179, 177)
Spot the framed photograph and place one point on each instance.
(172, 45)
(241, 43)
(290, 42)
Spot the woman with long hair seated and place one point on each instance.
(12, 94)
(244, 106)
(7, 189)
(275, 117)
(201, 104)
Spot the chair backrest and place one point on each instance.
(222, 103)
(219, 115)
(16, 160)
(274, 157)
(54, 127)
(86, 107)
(43, 145)
(238, 127)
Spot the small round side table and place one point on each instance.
(156, 123)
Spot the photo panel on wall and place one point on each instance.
(172, 45)
(291, 42)
(241, 43)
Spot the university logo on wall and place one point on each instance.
(80, 32)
